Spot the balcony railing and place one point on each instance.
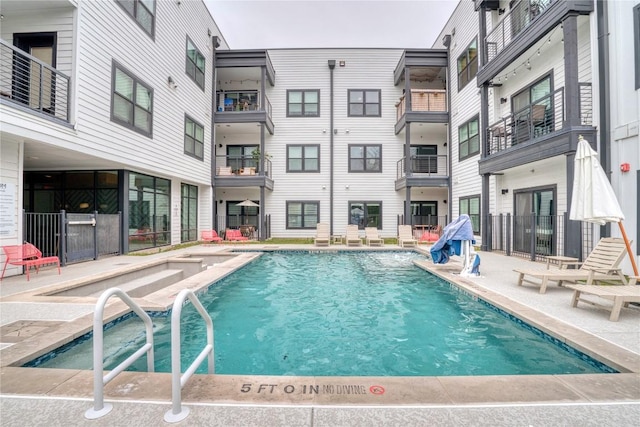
(423, 166)
(241, 166)
(29, 82)
(542, 117)
(521, 15)
(434, 100)
(241, 101)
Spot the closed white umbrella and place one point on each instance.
(593, 199)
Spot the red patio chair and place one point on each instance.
(235, 236)
(210, 236)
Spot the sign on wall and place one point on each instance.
(8, 224)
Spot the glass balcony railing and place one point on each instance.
(29, 82)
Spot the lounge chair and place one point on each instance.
(405, 236)
(322, 234)
(620, 295)
(601, 265)
(371, 237)
(234, 236)
(210, 236)
(352, 238)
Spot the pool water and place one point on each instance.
(342, 314)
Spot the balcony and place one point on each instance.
(243, 107)
(29, 84)
(243, 171)
(424, 171)
(427, 106)
(544, 116)
(520, 17)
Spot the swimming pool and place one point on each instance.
(344, 314)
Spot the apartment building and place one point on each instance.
(533, 76)
(106, 107)
(167, 125)
(323, 135)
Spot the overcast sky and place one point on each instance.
(249, 24)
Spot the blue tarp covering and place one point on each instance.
(451, 240)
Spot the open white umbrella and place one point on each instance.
(593, 199)
(248, 203)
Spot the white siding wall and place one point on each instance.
(625, 120)
(465, 103)
(11, 174)
(308, 69)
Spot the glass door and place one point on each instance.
(534, 221)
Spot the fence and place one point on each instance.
(249, 225)
(532, 236)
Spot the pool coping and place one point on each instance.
(331, 390)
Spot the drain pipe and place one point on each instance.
(332, 66)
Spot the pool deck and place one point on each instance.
(31, 322)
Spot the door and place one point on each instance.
(424, 159)
(534, 221)
(32, 83)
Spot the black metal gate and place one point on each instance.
(74, 237)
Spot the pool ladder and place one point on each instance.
(177, 412)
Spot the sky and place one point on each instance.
(268, 24)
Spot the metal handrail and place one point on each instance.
(178, 412)
(99, 407)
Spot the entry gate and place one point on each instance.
(73, 236)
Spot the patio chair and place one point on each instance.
(620, 295)
(601, 265)
(431, 236)
(371, 237)
(352, 238)
(405, 236)
(234, 236)
(210, 236)
(322, 234)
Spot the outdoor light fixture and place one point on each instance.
(171, 82)
(503, 100)
(505, 190)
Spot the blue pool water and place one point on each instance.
(343, 314)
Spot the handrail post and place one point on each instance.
(100, 408)
(178, 412)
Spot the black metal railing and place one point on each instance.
(423, 165)
(27, 81)
(242, 102)
(522, 14)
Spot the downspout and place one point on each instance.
(604, 90)
(332, 66)
(214, 84)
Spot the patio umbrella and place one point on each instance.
(248, 203)
(593, 199)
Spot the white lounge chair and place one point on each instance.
(620, 295)
(352, 238)
(371, 237)
(405, 236)
(601, 265)
(322, 234)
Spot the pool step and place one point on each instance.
(151, 282)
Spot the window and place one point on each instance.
(538, 92)
(471, 206)
(365, 158)
(149, 211)
(302, 215)
(195, 64)
(303, 103)
(193, 138)
(636, 31)
(365, 214)
(131, 104)
(424, 213)
(468, 139)
(468, 64)
(189, 209)
(303, 158)
(364, 103)
(143, 11)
